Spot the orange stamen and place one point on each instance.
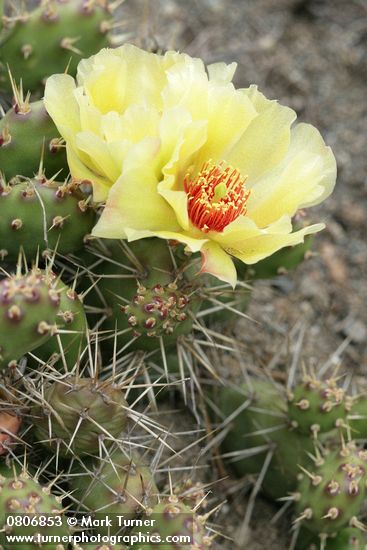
(216, 196)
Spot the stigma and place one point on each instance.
(216, 196)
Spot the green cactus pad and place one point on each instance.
(332, 493)
(63, 350)
(20, 494)
(38, 215)
(28, 313)
(53, 38)
(79, 412)
(116, 485)
(262, 427)
(158, 310)
(27, 134)
(316, 406)
(265, 410)
(143, 295)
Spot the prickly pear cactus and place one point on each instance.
(158, 310)
(28, 314)
(27, 137)
(39, 215)
(260, 407)
(65, 347)
(52, 38)
(261, 431)
(318, 407)
(144, 295)
(115, 485)
(330, 495)
(20, 494)
(175, 519)
(78, 414)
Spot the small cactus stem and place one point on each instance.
(338, 497)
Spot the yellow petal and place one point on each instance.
(90, 116)
(305, 177)
(80, 171)
(133, 202)
(104, 67)
(257, 248)
(218, 263)
(187, 87)
(264, 143)
(258, 100)
(237, 232)
(193, 244)
(100, 159)
(59, 92)
(221, 72)
(136, 123)
(181, 139)
(229, 114)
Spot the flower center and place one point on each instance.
(216, 196)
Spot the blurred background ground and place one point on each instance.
(310, 55)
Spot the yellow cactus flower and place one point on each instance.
(176, 151)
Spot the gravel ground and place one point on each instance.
(310, 55)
